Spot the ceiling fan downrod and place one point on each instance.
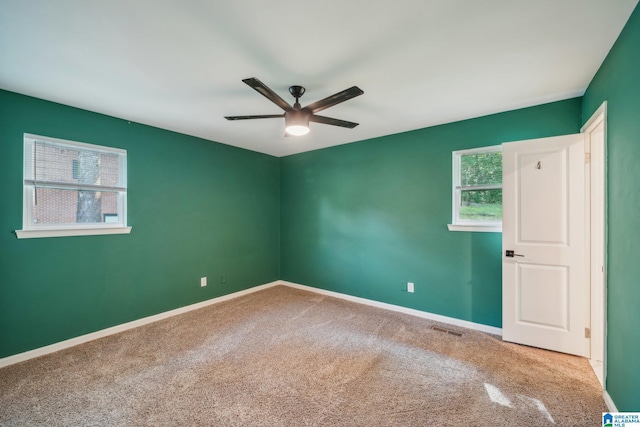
(297, 92)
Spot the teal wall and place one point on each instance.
(364, 218)
(197, 208)
(618, 83)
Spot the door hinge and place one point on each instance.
(587, 157)
(587, 333)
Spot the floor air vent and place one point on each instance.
(446, 331)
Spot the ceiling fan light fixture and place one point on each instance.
(297, 130)
(297, 123)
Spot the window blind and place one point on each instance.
(66, 166)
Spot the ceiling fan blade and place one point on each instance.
(332, 100)
(330, 121)
(268, 93)
(264, 116)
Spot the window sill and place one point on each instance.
(475, 227)
(32, 234)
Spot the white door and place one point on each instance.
(545, 291)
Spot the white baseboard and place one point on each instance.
(423, 314)
(598, 369)
(609, 401)
(21, 357)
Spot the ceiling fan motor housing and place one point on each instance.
(297, 119)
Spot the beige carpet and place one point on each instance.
(285, 357)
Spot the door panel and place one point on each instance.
(543, 170)
(543, 291)
(545, 286)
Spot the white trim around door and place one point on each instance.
(595, 130)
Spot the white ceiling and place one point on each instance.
(178, 65)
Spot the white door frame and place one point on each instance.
(596, 208)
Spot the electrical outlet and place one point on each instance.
(410, 287)
(203, 282)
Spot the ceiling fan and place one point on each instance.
(296, 117)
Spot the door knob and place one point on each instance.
(511, 254)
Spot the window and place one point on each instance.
(477, 190)
(72, 189)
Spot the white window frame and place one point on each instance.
(466, 225)
(32, 230)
